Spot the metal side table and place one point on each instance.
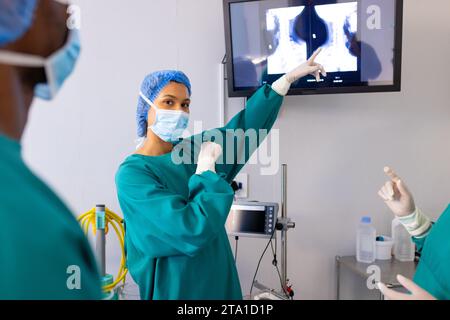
(389, 270)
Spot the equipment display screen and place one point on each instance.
(247, 221)
(360, 41)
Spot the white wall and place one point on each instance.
(335, 146)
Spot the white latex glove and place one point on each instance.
(396, 195)
(309, 67)
(209, 153)
(417, 293)
(282, 85)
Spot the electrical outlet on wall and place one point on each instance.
(242, 179)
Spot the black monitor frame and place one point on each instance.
(396, 87)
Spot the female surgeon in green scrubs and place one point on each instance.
(175, 211)
(43, 252)
(432, 278)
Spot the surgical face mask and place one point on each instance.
(58, 67)
(169, 124)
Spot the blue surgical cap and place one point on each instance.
(16, 17)
(151, 87)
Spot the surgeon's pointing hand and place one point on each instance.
(209, 153)
(309, 67)
(417, 293)
(396, 195)
(283, 84)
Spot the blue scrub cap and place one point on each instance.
(16, 17)
(151, 87)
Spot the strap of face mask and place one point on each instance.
(21, 59)
(26, 60)
(147, 100)
(139, 142)
(151, 104)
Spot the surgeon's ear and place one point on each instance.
(47, 34)
(151, 117)
(48, 31)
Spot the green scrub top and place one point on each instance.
(433, 271)
(176, 242)
(42, 248)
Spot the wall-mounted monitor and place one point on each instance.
(361, 43)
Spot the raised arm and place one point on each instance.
(247, 130)
(399, 199)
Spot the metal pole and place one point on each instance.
(338, 278)
(100, 238)
(284, 231)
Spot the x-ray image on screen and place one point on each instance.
(289, 53)
(340, 18)
(302, 30)
(360, 41)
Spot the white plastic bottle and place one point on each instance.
(404, 248)
(366, 241)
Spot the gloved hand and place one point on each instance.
(417, 293)
(282, 85)
(309, 67)
(396, 195)
(209, 153)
